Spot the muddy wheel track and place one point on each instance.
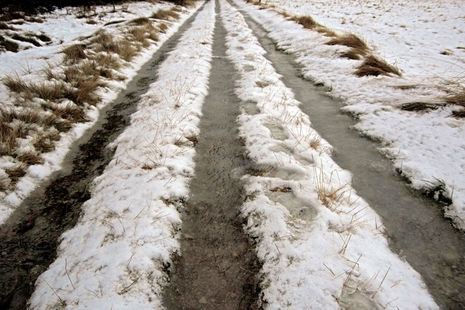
(218, 267)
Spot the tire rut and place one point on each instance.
(30, 237)
(217, 268)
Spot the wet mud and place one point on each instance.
(217, 267)
(30, 237)
(414, 223)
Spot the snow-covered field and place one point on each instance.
(322, 246)
(425, 40)
(132, 211)
(65, 28)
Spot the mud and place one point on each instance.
(29, 239)
(415, 226)
(217, 267)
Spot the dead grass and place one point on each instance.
(373, 66)
(31, 159)
(139, 21)
(71, 113)
(162, 27)
(358, 47)
(127, 50)
(306, 21)
(459, 113)
(457, 99)
(15, 84)
(75, 52)
(107, 61)
(16, 173)
(139, 34)
(165, 14)
(419, 106)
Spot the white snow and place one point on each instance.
(65, 29)
(132, 211)
(316, 255)
(425, 40)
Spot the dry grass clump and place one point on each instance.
(165, 14)
(457, 99)
(31, 159)
(162, 28)
(127, 50)
(419, 106)
(358, 47)
(139, 21)
(107, 61)
(459, 113)
(306, 21)
(104, 43)
(373, 66)
(75, 52)
(139, 34)
(16, 173)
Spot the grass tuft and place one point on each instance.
(349, 40)
(419, 106)
(306, 21)
(139, 21)
(457, 99)
(16, 173)
(459, 113)
(31, 159)
(373, 66)
(358, 47)
(75, 52)
(165, 14)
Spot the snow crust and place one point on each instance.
(321, 245)
(114, 258)
(65, 29)
(425, 40)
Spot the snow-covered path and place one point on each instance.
(218, 190)
(415, 225)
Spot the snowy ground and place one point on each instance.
(322, 246)
(317, 238)
(425, 40)
(132, 211)
(64, 28)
